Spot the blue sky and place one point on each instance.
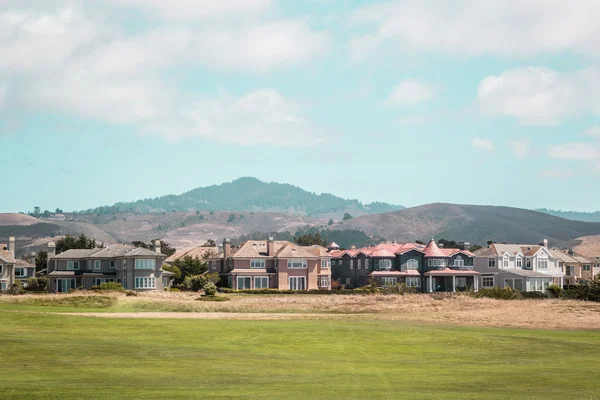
(476, 102)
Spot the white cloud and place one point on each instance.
(483, 144)
(556, 173)
(74, 60)
(474, 28)
(541, 96)
(411, 92)
(574, 151)
(520, 147)
(593, 131)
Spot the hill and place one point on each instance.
(573, 215)
(475, 224)
(250, 194)
(17, 219)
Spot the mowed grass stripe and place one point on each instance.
(52, 356)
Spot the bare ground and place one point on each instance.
(420, 308)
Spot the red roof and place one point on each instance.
(432, 250)
(448, 271)
(382, 253)
(408, 272)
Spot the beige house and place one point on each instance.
(570, 265)
(7, 264)
(272, 264)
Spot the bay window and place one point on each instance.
(147, 282)
(145, 263)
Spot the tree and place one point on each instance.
(41, 260)
(231, 218)
(58, 211)
(36, 210)
(419, 242)
(310, 240)
(209, 243)
(347, 217)
(71, 242)
(172, 268)
(474, 248)
(165, 248)
(449, 244)
(189, 267)
(138, 243)
(197, 212)
(330, 222)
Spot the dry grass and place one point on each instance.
(422, 308)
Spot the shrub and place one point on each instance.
(210, 289)
(399, 288)
(335, 285)
(588, 291)
(108, 286)
(498, 293)
(213, 277)
(213, 298)
(172, 268)
(555, 291)
(174, 290)
(534, 295)
(131, 293)
(37, 284)
(15, 288)
(195, 283)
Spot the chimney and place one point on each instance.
(441, 245)
(270, 247)
(466, 246)
(545, 243)
(353, 247)
(11, 245)
(51, 250)
(32, 256)
(226, 248)
(156, 245)
(571, 252)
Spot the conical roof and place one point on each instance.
(432, 250)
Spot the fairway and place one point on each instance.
(56, 357)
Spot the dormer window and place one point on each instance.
(412, 264)
(519, 262)
(505, 260)
(459, 262)
(385, 265)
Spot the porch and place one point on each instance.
(448, 280)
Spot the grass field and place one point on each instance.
(48, 356)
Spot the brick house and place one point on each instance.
(272, 264)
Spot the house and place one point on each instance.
(429, 268)
(7, 264)
(201, 252)
(569, 265)
(274, 264)
(530, 268)
(134, 267)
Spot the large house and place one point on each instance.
(275, 264)
(523, 267)
(429, 268)
(7, 264)
(134, 267)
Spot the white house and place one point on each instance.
(530, 268)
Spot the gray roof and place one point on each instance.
(526, 273)
(498, 249)
(7, 256)
(112, 251)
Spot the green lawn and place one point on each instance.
(59, 357)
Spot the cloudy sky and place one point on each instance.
(409, 102)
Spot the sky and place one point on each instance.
(409, 102)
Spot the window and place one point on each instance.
(509, 283)
(459, 262)
(325, 263)
(112, 264)
(2, 285)
(347, 281)
(97, 264)
(505, 261)
(518, 284)
(72, 265)
(542, 264)
(324, 281)
(587, 268)
(492, 263)
(297, 282)
(358, 264)
(519, 262)
(149, 263)
(20, 272)
(367, 263)
(261, 282)
(528, 263)
(487, 281)
(570, 270)
(412, 264)
(244, 283)
(461, 282)
(147, 282)
(124, 282)
(1, 269)
(257, 264)
(413, 281)
(297, 263)
(388, 281)
(385, 265)
(351, 264)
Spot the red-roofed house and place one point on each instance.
(428, 268)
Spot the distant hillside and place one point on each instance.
(573, 215)
(475, 224)
(251, 194)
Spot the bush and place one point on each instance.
(534, 295)
(335, 285)
(299, 292)
(131, 293)
(213, 298)
(108, 286)
(555, 291)
(174, 290)
(498, 293)
(588, 291)
(213, 277)
(195, 283)
(15, 288)
(399, 288)
(210, 289)
(37, 284)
